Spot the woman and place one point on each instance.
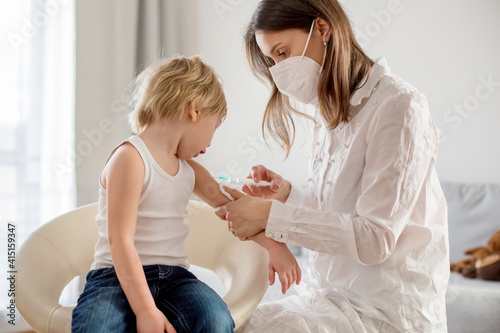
(374, 215)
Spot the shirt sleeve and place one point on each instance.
(400, 154)
(299, 197)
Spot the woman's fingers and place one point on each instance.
(247, 190)
(233, 192)
(255, 173)
(268, 174)
(221, 212)
(254, 191)
(248, 215)
(257, 191)
(277, 181)
(260, 172)
(241, 229)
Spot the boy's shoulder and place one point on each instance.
(126, 154)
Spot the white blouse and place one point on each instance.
(374, 216)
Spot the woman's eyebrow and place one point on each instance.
(274, 48)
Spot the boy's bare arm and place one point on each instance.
(206, 187)
(281, 260)
(124, 174)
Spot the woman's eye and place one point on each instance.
(282, 54)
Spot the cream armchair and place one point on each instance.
(64, 248)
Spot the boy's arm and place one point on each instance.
(206, 187)
(281, 260)
(123, 179)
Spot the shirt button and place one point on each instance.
(309, 179)
(346, 145)
(331, 161)
(328, 182)
(318, 125)
(374, 102)
(374, 88)
(342, 160)
(316, 143)
(319, 160)
(270, 235)
(315, 199)
(322, 204)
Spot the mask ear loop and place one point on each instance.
(308, 38)
(307, 44)
(324, 56)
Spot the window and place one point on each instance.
(36, 118)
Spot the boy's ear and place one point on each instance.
(193, 112)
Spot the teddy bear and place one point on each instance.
(484, 262)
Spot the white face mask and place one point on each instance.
(298, 77)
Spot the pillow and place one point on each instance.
(473, 215)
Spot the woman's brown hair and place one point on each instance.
(345, 65)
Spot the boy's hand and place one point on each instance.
(153, 322)
(282, 262)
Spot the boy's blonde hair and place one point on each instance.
(166, 88)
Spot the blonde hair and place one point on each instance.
(344, 69)
(166, 88)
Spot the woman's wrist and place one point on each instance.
(266, 211)
(287, 190)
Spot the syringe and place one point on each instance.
(245, 181)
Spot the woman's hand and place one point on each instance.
(153, 322)
(280, 190)
(246, 215)
(282, 262)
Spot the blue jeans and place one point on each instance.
(189, 304)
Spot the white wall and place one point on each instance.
(447, 49)
(238, 143)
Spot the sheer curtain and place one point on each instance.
(37, 171)
(115, 40)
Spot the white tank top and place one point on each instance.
(161, 230)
